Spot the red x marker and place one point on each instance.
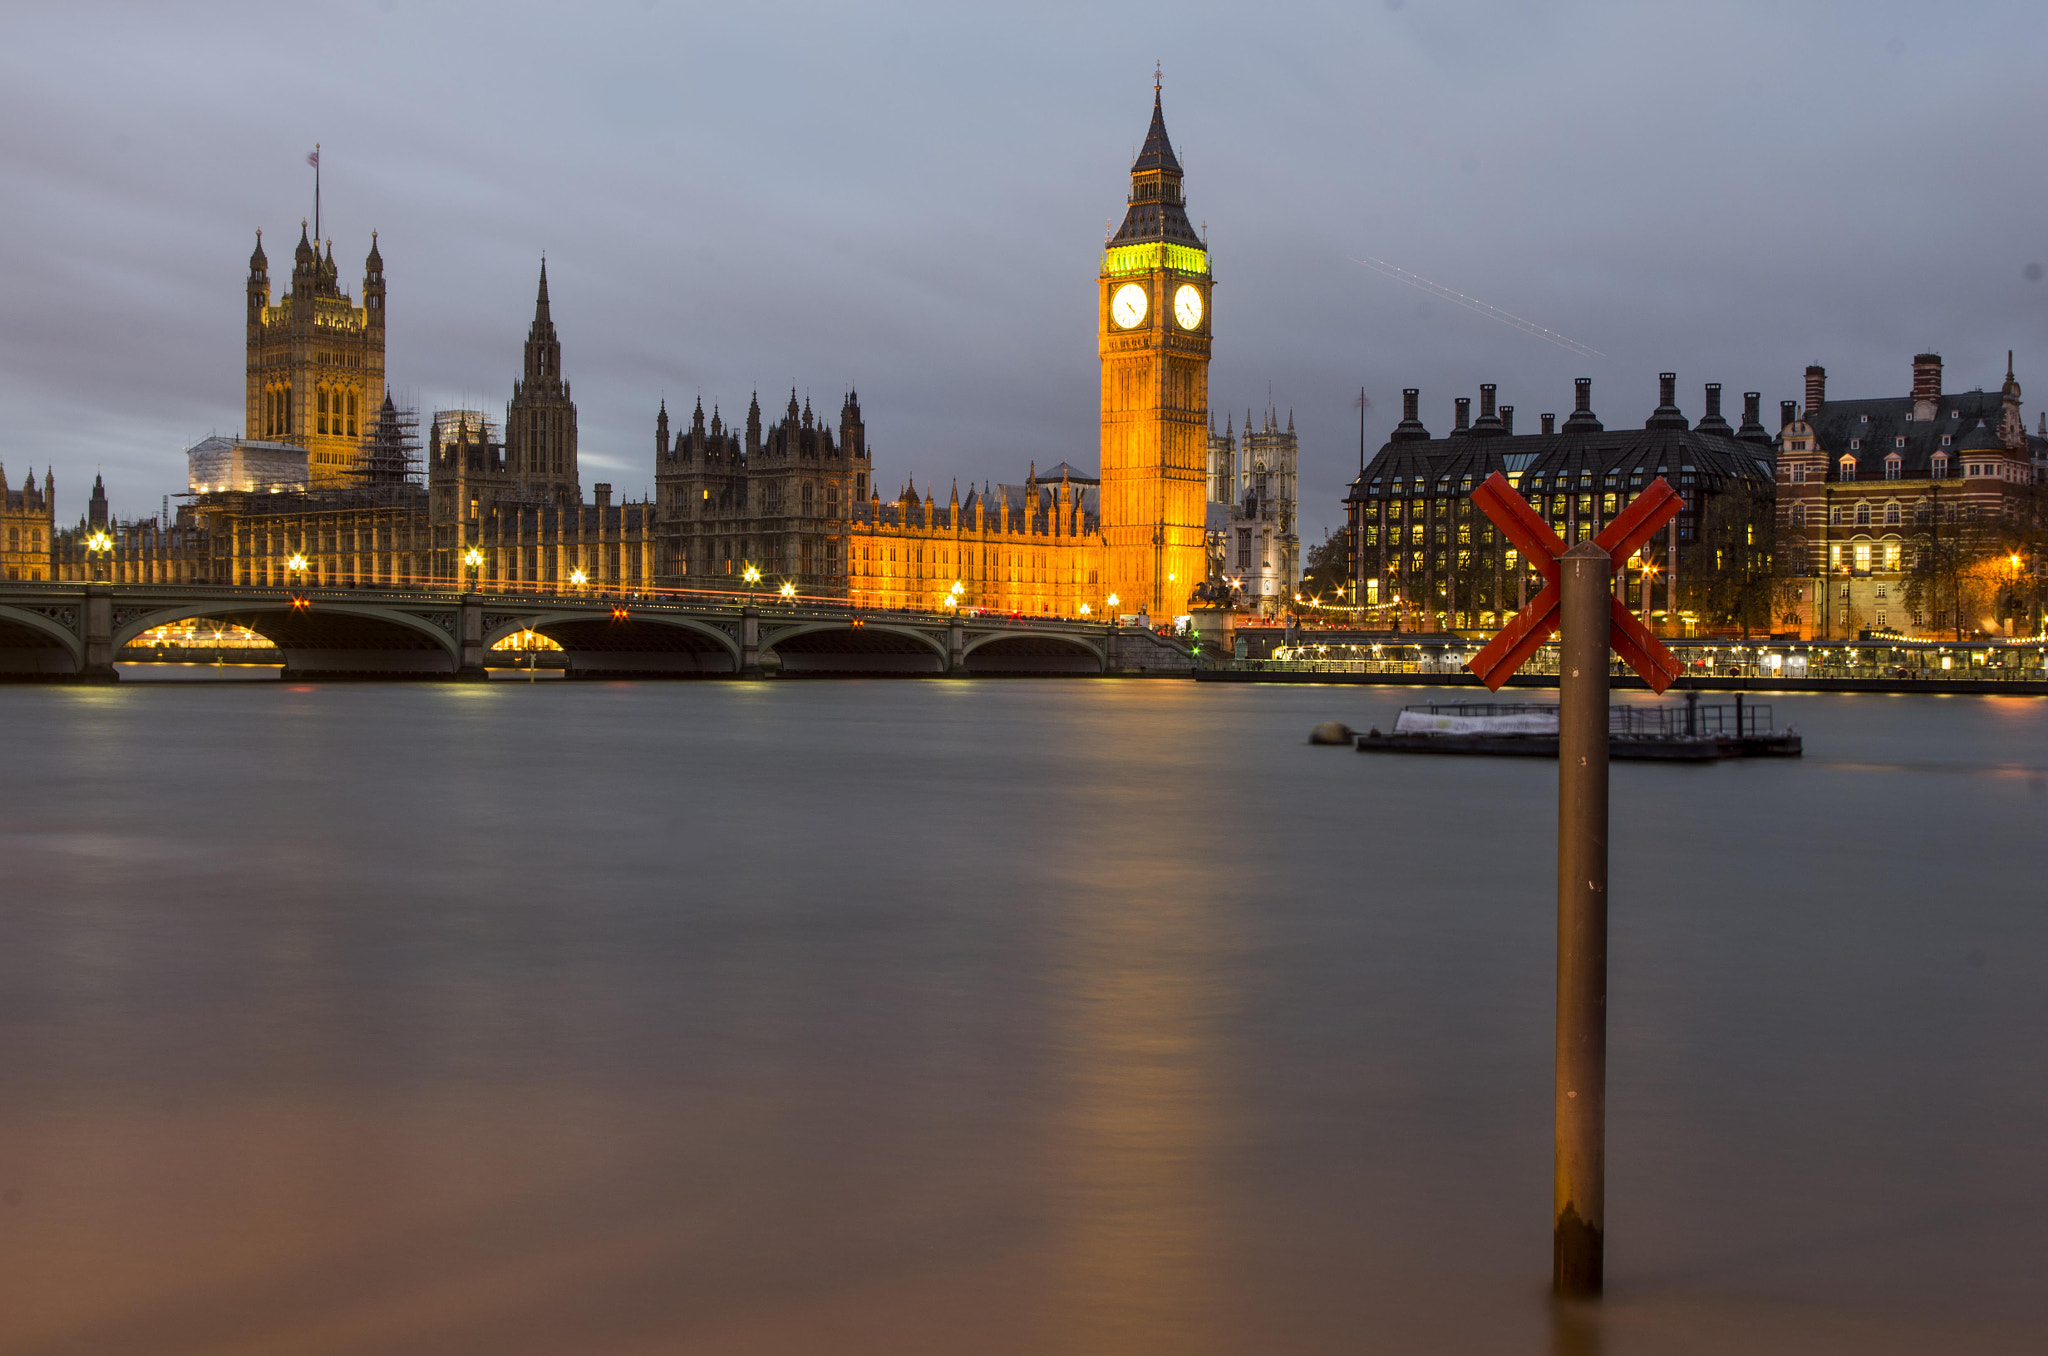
(1532, 535)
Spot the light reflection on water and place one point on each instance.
(1033, 1016)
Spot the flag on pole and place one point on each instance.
(313, 157)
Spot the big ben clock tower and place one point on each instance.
(1152, 324)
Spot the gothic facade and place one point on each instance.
(28, 526)
(1255, 548)
(315, 359)
(779, 498)
(796, 501)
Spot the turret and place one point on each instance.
(305, 266)
(373, 285)
(853, 434)
(96, 507)
(754, 425)
(661, 431)
(259, 282)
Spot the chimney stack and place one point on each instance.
(1410, 429)
(1549, 424)
(1752, 430)
(1464, 414)
(603, 493)
(1583, 419)
(1816, 388)
(1788, 412)
(1711, 421)
(1666, 414)
(1926, 386)
(1489, 421)
(1507, 419)
(1926, 376)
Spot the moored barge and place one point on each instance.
(1680, 732)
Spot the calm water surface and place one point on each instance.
(993, 1017)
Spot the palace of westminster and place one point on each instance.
(334, 486)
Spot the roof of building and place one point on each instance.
(1454, 464)
(1871, 430)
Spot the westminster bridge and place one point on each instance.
(79, 631)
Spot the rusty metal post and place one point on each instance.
(1581, 1093)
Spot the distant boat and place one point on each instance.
(1683, 732)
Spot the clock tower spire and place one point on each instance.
(1152, 326)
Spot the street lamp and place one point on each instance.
(578, 578)
(101, 545)
(474, 558)
(788, 590)
(295, 569)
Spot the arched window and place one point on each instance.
(351, 411)
(1891, 466)
(1848, 468)
(1799, 515)
(1835, 516)
(832, 499)
(1940, 465)
(807, 499)
(1863, 515)
(1891, 514)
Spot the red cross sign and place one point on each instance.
(1528, 629)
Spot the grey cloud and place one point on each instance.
(911, 201)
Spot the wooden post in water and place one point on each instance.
(1581, 1094)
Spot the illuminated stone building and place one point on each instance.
(1034, 548)
(491, 514)
(1257, 550)
(315, 368)
(1153, 337)
(805, 509)
(1865, 485)
(797, 500)
(28, 527)
(780, 498)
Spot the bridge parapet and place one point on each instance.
(79, 630)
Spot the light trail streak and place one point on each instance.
(1508, 318)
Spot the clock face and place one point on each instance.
(1187, 306)
(1127, 306)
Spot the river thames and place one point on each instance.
(1086, 1016)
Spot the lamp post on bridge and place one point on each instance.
(99, 545)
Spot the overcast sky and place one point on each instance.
(912, 201)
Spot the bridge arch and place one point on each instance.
(840, 647)
(329, 637)
(1031, 652)
(31, 642)
(642, 644)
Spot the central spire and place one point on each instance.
(1156, 211)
